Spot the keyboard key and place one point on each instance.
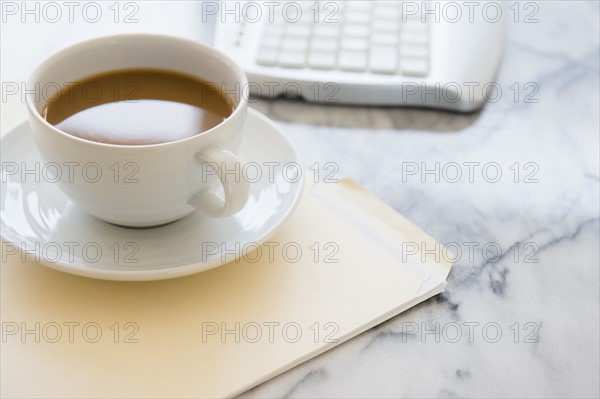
(307, 18)
(321, 60)
(294, 43)
(267, 56)
(356, 30)
(388, 38)
(360, 6)
(414, 66)
(352, 43)
(354, 17)
(387, 5)
(381, 25)
(387, 13)
(414, 38)
(326, 30)
(292, 58)
(297, 30)
(383, 59)
(324, 44)
(352, 60)
(415, 26)
(273, 29)
(414, 51)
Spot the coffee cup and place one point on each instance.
(144, 185)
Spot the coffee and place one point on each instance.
(138, 107)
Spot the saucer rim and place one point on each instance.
(77, 269)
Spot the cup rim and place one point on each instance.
(240, 107)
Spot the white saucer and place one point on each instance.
(50, 229)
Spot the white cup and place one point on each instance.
(144, 185)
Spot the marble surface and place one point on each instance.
(541, 291)
(554, 221)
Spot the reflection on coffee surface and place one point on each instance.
(138, 106)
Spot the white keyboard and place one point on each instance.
(362, 52)
(366, 38)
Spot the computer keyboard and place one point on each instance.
(363, 52)
(357, 43)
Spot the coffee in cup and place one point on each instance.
(138, 107)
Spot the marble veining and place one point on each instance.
(546, 277)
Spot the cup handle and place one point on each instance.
(235, 186)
